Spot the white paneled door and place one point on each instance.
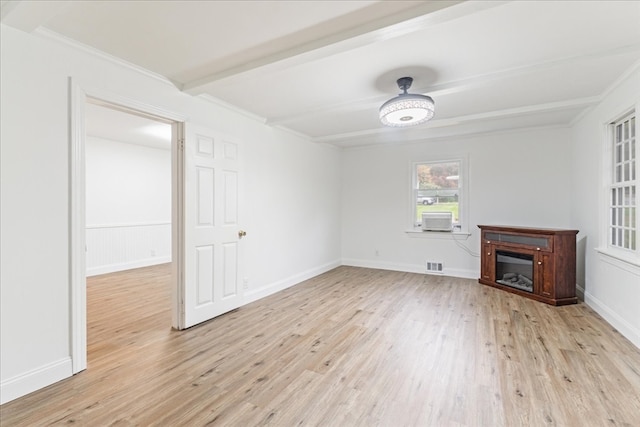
(211, 276)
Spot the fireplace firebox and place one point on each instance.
(515, 270)
(533, 262)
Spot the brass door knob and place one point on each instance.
(241, 234)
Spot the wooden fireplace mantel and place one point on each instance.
(553, 252)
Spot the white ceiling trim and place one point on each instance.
(453, 121)
(227, 106)
(56, 37)
(250, 115)
(29, 15)
(473, 82)
(396, 25)
(623, 77)
(481, 80)
(607, 91)
(421, 138)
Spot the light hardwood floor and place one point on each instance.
(352, 347)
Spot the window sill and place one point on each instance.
(458, 235)
(623, 261)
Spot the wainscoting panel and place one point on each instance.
(120, 247)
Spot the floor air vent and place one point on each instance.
(434, 267)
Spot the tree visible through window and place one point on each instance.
(623, 194)
(437, 188)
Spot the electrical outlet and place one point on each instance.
(245, 283)
(376, 252)
(153, 252)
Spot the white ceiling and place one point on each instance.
(323, 68)
(115, 125)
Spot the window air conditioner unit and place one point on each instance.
(437, 221)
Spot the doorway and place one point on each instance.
(206, 213)
(80, 99)
(128, 227)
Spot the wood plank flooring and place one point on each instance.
(352, 347)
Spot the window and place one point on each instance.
(623, 229)
(437, 187)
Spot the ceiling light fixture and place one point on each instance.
(406, 109)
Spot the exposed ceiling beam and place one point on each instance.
(454, 121)
(29, 15)
(395, 25)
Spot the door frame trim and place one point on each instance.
(78, 97)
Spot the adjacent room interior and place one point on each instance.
(128, 226)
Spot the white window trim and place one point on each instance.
(628, 257)
(463, 198)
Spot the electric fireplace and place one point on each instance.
(537, 263)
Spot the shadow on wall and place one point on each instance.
(581, 256)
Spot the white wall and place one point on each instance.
(128, 205)
(519, 178)
(293, 230)
(611, 286)
(126, 183)
(293, 200)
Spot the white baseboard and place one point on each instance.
(625, 328)
(35, 379)
(409, 268)
(112, 268)
(254, 295)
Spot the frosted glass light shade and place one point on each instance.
(407, 110)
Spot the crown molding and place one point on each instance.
(624, 76)
(613, 86)
(223, 104)
(56, 37)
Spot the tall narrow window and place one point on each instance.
(623, 228)
(437, 187)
